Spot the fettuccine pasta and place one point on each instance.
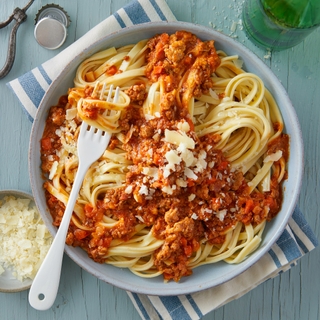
(194, 168)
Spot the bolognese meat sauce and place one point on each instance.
(199, 197)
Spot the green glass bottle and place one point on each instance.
(280, 24)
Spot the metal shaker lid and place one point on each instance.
(51, 26)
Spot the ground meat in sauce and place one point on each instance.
(50, 141)
(189, 210)
(137, 93)
(181, 56)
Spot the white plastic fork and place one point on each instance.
(91, 145)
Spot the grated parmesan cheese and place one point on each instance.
(168, 189)
(194, 216)
(24, 238)
(211, 164)
(144, 190)
(71, 113)
(148, 117)
(128, 189)
(183, 126)
(53, 170)
(176, 138)
(190, 174)
(201, 164)
(151, 172)
(166, 172)
(156, 137)
(186, 155)
(172, 157)
(181, 183)
(221, 214)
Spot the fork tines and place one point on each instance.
(103, 90)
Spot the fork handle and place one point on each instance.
(45, 285)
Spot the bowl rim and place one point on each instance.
(26, 284)
(241, 50)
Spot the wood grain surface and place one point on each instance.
(292, 295)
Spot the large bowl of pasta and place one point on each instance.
(203, 169)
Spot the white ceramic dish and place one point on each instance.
(206, 276)
(8, 283)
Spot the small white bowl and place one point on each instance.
(8, 283)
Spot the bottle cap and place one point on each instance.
(51, 26)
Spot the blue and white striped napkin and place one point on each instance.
(296, 240)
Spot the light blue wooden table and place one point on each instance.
(292, 295)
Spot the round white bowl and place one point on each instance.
(205, 276)
(8, 283)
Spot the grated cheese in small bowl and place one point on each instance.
(24, 239)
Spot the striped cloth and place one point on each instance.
(296, 240)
